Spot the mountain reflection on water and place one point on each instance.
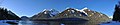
(27, 22)
(22, 22)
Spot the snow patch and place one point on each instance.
(45, 13)
(82, 10)
(3, 7)
(67, 7)
(68, 10)
(85, 12)
(44, 9)
(54, 12)
(70, 7)
(72, 11)
(110, 16)
(51, 15)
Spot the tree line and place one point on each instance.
(7, 15)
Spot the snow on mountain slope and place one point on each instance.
(82, 10)
(45, 14)
(72, 12)
(54, 12)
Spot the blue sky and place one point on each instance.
(32, 7)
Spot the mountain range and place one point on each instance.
(93, 17)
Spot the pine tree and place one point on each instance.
(7, 15)
(116, 16)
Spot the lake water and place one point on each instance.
(27, 22)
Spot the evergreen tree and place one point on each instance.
(116, 16)
(7, 15)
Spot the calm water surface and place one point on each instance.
(27, 22)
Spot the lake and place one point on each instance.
(27, 22)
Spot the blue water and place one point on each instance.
(27, 22)
(3, 22)
(24, 22)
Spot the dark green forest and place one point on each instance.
(7, 15)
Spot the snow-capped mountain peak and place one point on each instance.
(45, 10)
(70, 8)
(67, 7)
(50, 12)
(54, 12)
(52, 9)
(84, 8)
(73, 10)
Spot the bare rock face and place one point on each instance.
(96, 17)
(82, 17)
(43, 15)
